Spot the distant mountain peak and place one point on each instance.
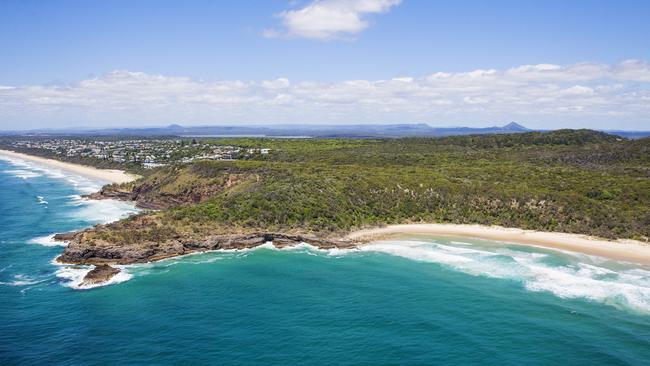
(514, 126)
(175, 127)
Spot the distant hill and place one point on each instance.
(354, 131)
(319, 131)
(538, 138)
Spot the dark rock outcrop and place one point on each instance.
(82, 251)
(100, 274)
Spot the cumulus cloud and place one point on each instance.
(329, 19)
(580, 95)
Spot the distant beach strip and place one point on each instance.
(108, 175)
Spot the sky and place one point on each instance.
(544, 64)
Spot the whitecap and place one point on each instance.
(21, 280)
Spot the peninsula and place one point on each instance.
(578, 190)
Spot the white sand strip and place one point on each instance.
(624, 250)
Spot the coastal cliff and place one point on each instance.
(172, 187)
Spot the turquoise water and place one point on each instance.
(415, 301)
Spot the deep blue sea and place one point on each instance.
(420, 300)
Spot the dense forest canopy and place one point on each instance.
(577, 181)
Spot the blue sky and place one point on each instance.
(207, 62)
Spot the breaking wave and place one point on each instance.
(101, 211)
(564, 274)
(47, 241)
(22, 173)
(72, 276)
(27, 170)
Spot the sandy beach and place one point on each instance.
(624, 250)
(108, 175)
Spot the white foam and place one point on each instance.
(24, 174)
(21, 280)
(75, 200)
(311, 249)
(82, 184)
(48, 241)
(102, 211)
(267, 245)
(27, 169)
(623, 287)
(460, 243)
(415, 251)
(568, 282)
(337, 252)
(73, 276)
(41, 200)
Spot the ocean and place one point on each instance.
(419, 300)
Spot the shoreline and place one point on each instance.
(108, 175)
(627, 250)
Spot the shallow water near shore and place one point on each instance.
(417, 300)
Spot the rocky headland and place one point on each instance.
(568, 181)
(83, 250)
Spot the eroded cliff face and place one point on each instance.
(166, 190)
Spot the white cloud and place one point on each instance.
(581, 95)
(329, 19)
(578, 90)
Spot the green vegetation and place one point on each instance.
(572, 181)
